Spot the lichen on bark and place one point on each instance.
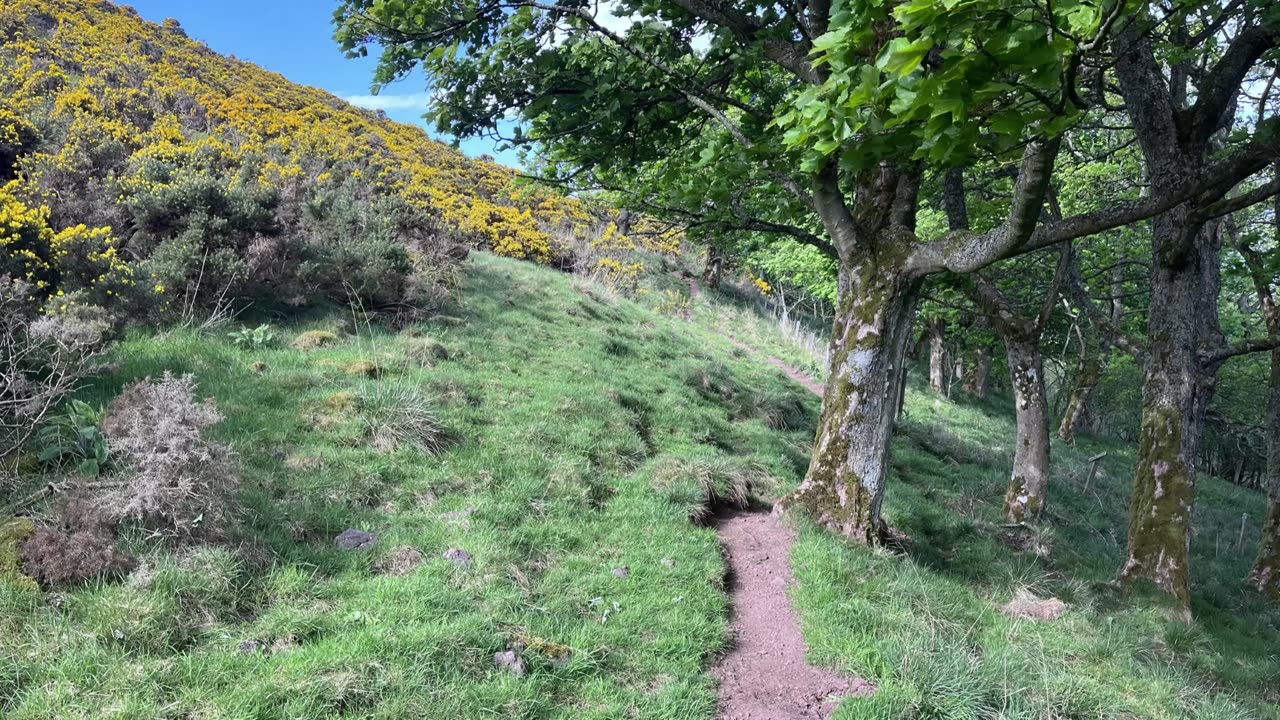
(844, 486)
(1265, 576)
(1160, 512)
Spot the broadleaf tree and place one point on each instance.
(816, 120)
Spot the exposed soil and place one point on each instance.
(797, 375)
(695, 290)
(765, 675)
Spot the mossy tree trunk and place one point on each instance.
(844, 486)
(1029, 481)
(1175, 395)
(1183, 330)
(1087, 376)
(881, 266)
(979, 378)
(937, 357)
(1028, 489)
(1265, 575)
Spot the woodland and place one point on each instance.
(306, 414)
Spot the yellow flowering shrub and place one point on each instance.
(74, 260)
(127, 94)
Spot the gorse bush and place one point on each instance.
(80, 544)
(225, 181)
(176, 481)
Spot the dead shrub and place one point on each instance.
(80, 545)
(178, 482)
(42, 360)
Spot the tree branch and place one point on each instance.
(965, 251)
(1229, 205)
(1219, 355)
(1220, 86)
(791, 56)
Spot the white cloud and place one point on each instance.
(411, 101)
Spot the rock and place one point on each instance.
(458, 556)
(510, 661)
(1028, 607)
(353, 539)
(621, 572)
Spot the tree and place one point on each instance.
(1180, 73)
(1265, 575)
(789, 118)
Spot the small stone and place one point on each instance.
(353, 539)
(621, 572)
(510, 661)
(458, 556)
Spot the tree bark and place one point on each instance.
(980, 376)
(844, 487)
(1183, 314)
(1087, 377)
(1028, 489)
(1265, 575)
(937, 357)
(1029, 482)
(1175, 394)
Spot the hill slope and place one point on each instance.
(583, 432)
(108, 116)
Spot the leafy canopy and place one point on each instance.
(720, 113)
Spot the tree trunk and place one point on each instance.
(976, 384)
(1265, 575)
(1029, 481)
(1175, 396)
(937, 357)
(844, 487)
(1087, 377)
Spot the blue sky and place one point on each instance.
(295, 39)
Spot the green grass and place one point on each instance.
(927, 629)
(575, 437)
(560, 434)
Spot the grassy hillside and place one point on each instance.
(582, 434)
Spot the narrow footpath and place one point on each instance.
(765, 676)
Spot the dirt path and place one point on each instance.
(695, 290)
(765, 675)
(791, 371)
